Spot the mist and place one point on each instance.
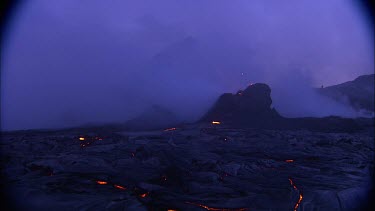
(68, 63)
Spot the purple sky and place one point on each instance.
(66, 63)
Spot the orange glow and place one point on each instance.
(289, 161)
(170, 129)
(171, 210)
(298, 202)
(215, 123)
(143, 195)
(216, 209)
(119, 187)
(101, 182)
(300, 195)
(292, 184)
(81, 138)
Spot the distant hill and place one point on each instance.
(156, 117)
(358, 93)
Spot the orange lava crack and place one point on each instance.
(119, 187)
(300, 195)
(216, 209)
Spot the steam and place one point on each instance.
(68, 63)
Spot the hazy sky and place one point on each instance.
(66, 63)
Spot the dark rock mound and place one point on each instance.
(245, 107)
(252, 108)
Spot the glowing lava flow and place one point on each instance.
(300, 195)
(170, 129)
(216, 209)
(119, 187)
(101, 182)
(215, 122)
(289, 161)
(143, 195)
(87, 140)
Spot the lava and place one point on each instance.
(170, 129)
(143, 195)
(292, 184)
(216, 209)
(298, 202)
(216, 122)
(87, 140)
(289, 161)
(119, 187)
(300, 195)
(101, 182)
(114, 185)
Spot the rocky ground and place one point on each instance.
(193, 167)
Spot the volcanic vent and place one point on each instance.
(251, 106)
